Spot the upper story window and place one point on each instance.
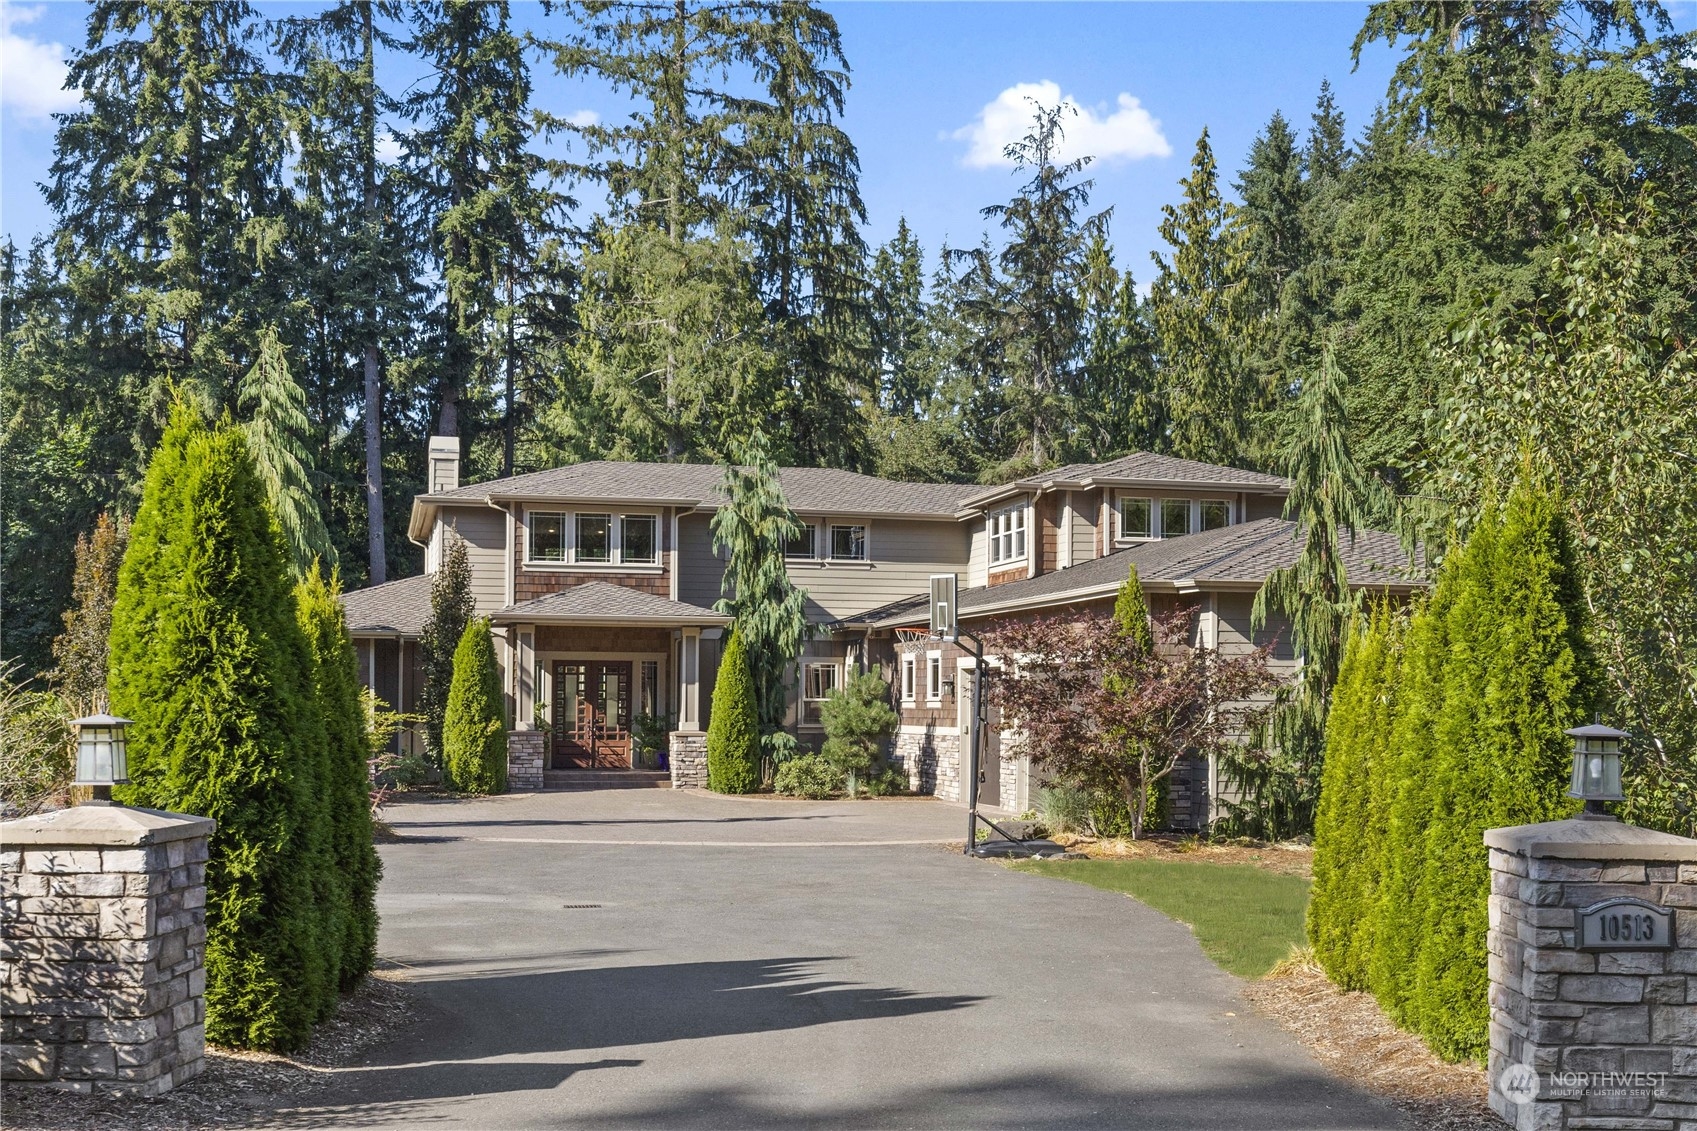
(547, 537)
(1136, 518)
(848, 543)
(594, 538)
(1170, 518)
(1007, 534)
(590, 538)
(1175, 518)
(804, 544)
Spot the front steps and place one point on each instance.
(579, 780)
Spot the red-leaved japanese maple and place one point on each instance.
(1092, 705)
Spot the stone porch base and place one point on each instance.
(687, 753)
(524, 760)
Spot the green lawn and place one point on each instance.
(1246, 918)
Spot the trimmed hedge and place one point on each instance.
(474, 728)
(733, 733)
(1448, 721)
(347, 782)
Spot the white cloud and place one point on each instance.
(584, 118)
(389, 147)
(1124, 132)
(32, 73)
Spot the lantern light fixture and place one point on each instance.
(1596, 767)
(102, 760)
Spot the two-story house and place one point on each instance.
(600, 579)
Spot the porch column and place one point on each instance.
(689, 681)
(525, 665)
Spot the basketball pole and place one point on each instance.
(972, 742)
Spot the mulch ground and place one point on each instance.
(236, 1089)
(1348, 1034)
(1285, 859)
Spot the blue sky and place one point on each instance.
(936, 89)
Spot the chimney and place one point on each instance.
(444, 464)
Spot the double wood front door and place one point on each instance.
(592, 714)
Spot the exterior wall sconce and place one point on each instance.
(948, 687)
(1596, 768)
(102, 760)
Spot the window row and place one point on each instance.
(837, 542)
(1171, 518)
(933, 678)
(593, 539)
(1007, 534)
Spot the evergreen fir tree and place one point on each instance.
(906, 385)
(80, 652)
(209, 663)
(277, 433)
(346, 794)
(1330, 499)
(451, 610)
(1032, 309)
(474, 731)
(733, 731)
(752, 527)
(1198, 304)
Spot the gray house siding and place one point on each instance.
(485, 532)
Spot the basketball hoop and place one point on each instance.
(911, 641)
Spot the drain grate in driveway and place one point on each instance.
(580, 906)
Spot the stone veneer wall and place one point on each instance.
(1612, 1035)
(104, 939)
(687, 753)
(524, 759)
(931, 761)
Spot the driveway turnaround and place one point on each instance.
(650, 959)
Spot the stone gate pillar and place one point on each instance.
(1593, 966)
(103, 936)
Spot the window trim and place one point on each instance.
(1120, 533)
(1015, 531)
(615, 562)
(812, 555)
(831, 529)
(808, 668)
(934, 679)
(910, 679)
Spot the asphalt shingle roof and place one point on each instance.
(1247, 552)
(1144, 467)
(808, 489)
(394, 607)
(599, 600)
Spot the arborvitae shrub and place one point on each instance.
(733, 734)
(209, 663)
(1340, 818)
(353, 854)
(1517, 677)
(474, 731)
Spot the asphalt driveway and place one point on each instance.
(647, 959)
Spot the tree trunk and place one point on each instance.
(511, 361)
(377, 555)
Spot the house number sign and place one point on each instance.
(1624, 924)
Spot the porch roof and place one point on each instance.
(1232, 558)
(597, 602)
(396, 608)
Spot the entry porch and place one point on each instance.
(603, 678)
